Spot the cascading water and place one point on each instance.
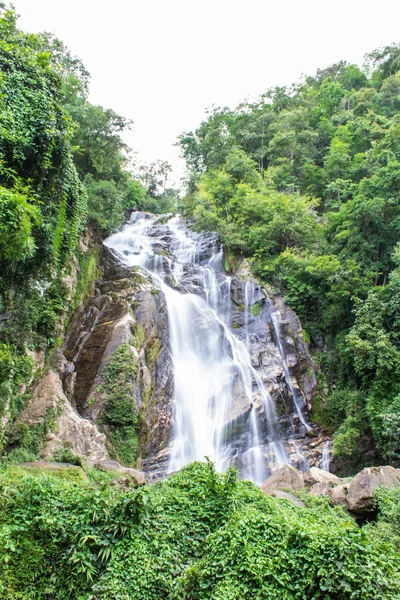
(326, 457)
(297, 400)
(222, 408)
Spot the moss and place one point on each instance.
(137, 276)
(87, 275)
(226, 263)
(146, 393)
(235, 325)
(139, 335)
(73, 474)
(120, 413)
(255, 309)
(152, 353)
(230, 260)
(25, 442)
(66, 455)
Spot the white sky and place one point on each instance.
(162, 62)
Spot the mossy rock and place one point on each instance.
(60, 470)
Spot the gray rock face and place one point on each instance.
(73, 431)
(128, 308)
(359, 499)
(355, 495)
(339, 495)
(113, 465)
(285, 478)
(314, 476)
(323, 488)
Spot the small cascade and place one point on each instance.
(326, 456)
(302, 463)
(223, 408)
(296, 397)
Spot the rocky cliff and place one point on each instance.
(128, 313)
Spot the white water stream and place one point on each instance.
(213, 370)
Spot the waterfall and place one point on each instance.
(326, 456)
(297, 399)
(222, 407)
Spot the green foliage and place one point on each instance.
(16, 369)
(17, 221)
(120, 412)
(88, 271)
(304, 183)
(159, 198)
(35, 151)
(57, 152)
(196, 535)
(27, 440)
(65, 455)
(105, 204)
(388, 524)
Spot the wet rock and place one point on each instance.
(285, 478)
(315, 476)
(129, 308)
(155, 374)
(360, 494)
(289, 497)
(113, 465)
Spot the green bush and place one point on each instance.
(195, 536)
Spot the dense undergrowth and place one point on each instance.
(195, 536)
(305, 184)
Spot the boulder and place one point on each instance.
(113, 465)
(360, 496)
(323, 488)
(285, 478)
(339, 494)
(289, 497)
(315, 475)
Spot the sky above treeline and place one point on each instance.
(163, 62)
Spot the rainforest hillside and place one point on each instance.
(305, 183)
(63, 167)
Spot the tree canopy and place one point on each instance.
(305, 182)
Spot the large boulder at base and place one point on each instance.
(113, 465)
(289, 497)
(339, 494)
(323, 488)
(315, 475)
(360, 496)
(285, 478)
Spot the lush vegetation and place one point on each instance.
(120, 413)
(63, 167)
(305, 183)
(197, 535)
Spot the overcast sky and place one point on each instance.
(163, 62)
